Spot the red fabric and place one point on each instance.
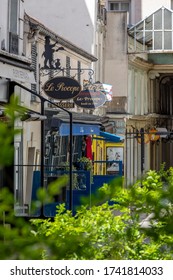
(89, 147)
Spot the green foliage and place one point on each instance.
(106, 231)
(113, 228)
(87, 165)
(66, 167)
(87, 162)
(7, 131)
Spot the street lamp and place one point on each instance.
(43, 100)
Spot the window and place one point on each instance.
(101, 12)
(153, 33)
(77, 147)
(119, 6)
(55, 150)
(18, 174)
(123, 6)
(14, 16)
(13, 25)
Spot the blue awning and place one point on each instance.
(111, 137)
(79, 129)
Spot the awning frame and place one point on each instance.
(109, 137)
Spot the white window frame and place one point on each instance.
(120, 2)
(171, 4)
(13, 32)
(17, 17)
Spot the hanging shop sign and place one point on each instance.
(62, 88)
(65, 104)
(153, 134)
(108, 91)
(90, 99)
(105, 88)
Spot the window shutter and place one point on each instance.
(79, 72)
(67, 66)
(34, 66)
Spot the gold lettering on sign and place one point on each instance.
(67, 105)
(49, 87)
(62, 87)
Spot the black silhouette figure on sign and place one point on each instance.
(49, 62)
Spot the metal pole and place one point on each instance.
(43, 100)
(71, 164)
(42, 155)
(142, 151)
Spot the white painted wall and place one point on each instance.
(72, 19)
(116, 60)
(4, 25)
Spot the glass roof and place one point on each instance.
(153, 34)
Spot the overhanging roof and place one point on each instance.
(83, 124)
(79, 129)
(57, 117)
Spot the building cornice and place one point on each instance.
(163, 68)
(14, 57)
(65, 43)
(140, 63)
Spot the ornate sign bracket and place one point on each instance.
(52, 65)
(54, 72)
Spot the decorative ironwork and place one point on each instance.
(56, 71)
(52, 67)
(62, 88)
(49, 61)
(74, 72)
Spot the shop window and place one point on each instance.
(77, 147)
(114, 157)
(56, 150)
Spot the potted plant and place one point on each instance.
(66, 167)
(86, 164)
